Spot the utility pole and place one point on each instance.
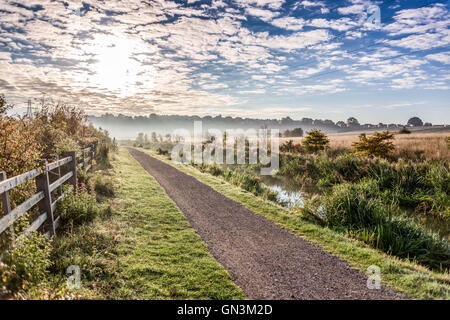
(29, 109)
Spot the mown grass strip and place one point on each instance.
(159, 255)
(406, 277)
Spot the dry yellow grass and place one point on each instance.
(407, 146)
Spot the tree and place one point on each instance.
(289, 146)
(315, 141)
(352, 122)
(378, 145)
(154, 137)
(415, 122)
(297, 132)
(307, 121)
(286, 120)
(140, 140)
(341, 124)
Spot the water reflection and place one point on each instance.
(288, 198)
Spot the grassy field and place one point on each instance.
(404, 276)
(408, 146)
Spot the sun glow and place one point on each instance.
(116, 68)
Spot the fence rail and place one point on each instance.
(44, 189)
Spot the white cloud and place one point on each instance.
(441, 57)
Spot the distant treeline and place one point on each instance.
(128, 127)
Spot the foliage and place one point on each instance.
(140, 141)
(297, 132)
(421, 185)
(315, 141)
(49, 132)
(78, 208)
(104, 187)
(65, 145)
(378, 145)
(404, 131)
(161, 151)
(352, 121)
(26, 263)
(290, 147)
(19, 150)
(415, 122)
(360, 210)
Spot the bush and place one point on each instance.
(378, 145)
(214, 170)
(85, 248)
(78, 208)
(65, 145)
(104, 188)
(404, 131)
(162, 152)
(360, 210)
(103, 151)
(315, 141)
(297, 132)
(290, 147)
(26, 264)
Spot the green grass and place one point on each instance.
(159, 256)
(406, 277)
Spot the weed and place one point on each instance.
(77, 208)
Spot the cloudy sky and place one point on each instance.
(249, 58)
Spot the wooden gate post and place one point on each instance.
(45, 205)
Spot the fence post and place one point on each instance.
(84, 160)
(5, 197)
(92, 156)
(45, 205)
(58, 174)
(72, 166)
(6, 203)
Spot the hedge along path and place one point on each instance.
(159, 256)
(266, 261)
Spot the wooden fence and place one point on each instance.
(49, 179)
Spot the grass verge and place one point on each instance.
(159, 256)
(406, 277)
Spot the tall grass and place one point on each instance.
(246, 181)
(360, 210)
(414, 146)
(423, 185)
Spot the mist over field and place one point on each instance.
(127, 127)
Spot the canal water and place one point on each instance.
(291, 194)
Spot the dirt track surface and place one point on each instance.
(266, 261)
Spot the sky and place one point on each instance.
(246, 58)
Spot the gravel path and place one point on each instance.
(266, 261)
